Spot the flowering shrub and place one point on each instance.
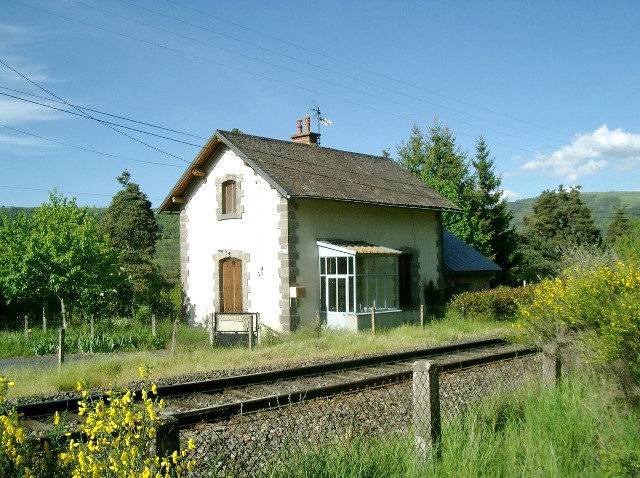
(601, 305)
(117, 439)
(22, 455)
(494, 304)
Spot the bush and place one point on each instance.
(499, 304)
(116, 439)
(599, 308)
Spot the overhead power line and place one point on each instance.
(368, 71)
(84, 108)
(86, 115)
(111, 123)
(266, 77)
(90, 150)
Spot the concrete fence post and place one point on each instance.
(153, 325)
(26, 327)
(551, 365)
(167, 436)
(422, 316)
(426, 410)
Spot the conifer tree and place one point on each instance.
(560, 221)
(437, 161)
(490, 217)
(619, 226)
(131, 227)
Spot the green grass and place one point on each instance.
(193, 354)
(580, 429)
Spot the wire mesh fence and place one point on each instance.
(268, 443)
(392, 424)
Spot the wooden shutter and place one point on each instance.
(228, 197)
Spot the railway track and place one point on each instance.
(216, 399)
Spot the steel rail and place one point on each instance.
(41, 409)
(223, 412)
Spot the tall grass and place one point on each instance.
(580, 429)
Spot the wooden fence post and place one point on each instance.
(92, 331)
(426, 410)
(61, 333)
(373, 320)
(250, 327)
(44, 316)
(318, 324)
(210, 318)
(174, 336)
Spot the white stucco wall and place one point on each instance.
(255, 233)
(411, 230)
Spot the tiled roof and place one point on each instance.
(309, 171)
(458, 256)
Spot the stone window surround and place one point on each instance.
(237, 178)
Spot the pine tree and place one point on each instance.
(619, 226)
(438, 162)
(490, 217)
(132, 229)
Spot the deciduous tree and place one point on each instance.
(60, 253)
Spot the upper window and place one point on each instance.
(229, 197)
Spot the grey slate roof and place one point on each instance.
(309, 171)
(458, 256)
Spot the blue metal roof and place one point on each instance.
(458, 256)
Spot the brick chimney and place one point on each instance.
(308, 137)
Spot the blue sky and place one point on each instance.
(552, 86)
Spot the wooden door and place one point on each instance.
(231, 285)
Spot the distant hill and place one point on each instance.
(602, 205)
(167, 247)
(167, 257)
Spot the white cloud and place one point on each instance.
(6, 140)
(588, 154)
(510, 195)
(16, 112)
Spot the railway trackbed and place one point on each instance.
(221, 398)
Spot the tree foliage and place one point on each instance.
(560, 222)
(491, 219)
(131, 227)
(485, 220)
(59, 253)
(627, 247)
(436, 160)
(619, 226)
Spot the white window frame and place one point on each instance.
(384, 283)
